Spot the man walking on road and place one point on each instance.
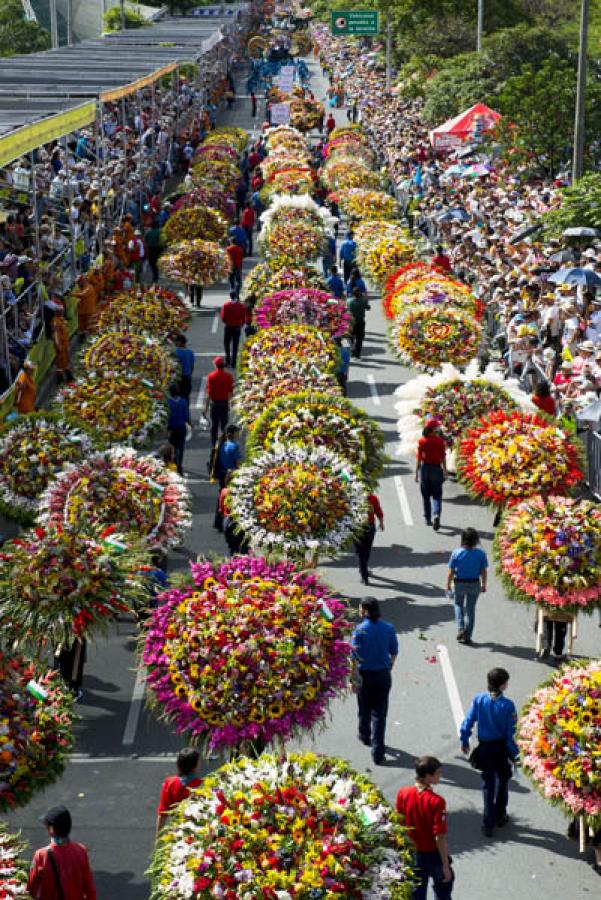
(247, 221)
(236, 255)
(177, 424)
(253, 104)
(496, 717)
(431, 470)
(61, 871)
(424, 814)
(233, 316)
(358, 306)
(348, 251)
(185, 358)
(220, 387)
(375, 649)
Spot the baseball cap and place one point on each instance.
(219, 362)
(60, 819)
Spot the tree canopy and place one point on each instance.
(18, 34)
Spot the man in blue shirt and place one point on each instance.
(238, 234)
(375, 649)
(185, 358)
(348, 251)
(335, 283)
(179, 418)
(496, 717)
(467, 573)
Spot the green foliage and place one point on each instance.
(466, 79)
(580, 206)
(133, 19)
(17, 34)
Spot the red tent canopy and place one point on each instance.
(468, 124)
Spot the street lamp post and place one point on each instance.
(578, 154)
(480, 25)
(388, 52)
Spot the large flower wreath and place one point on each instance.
(321, 420)
(288, 159)
(227, 134)
(304, 306)
(284, 347)
(194, 222)
(122, 408)
(381, 248)
(300, 825)
(224, 172)
(549, 551)
(298, 501)
(358, 204)
(254, 394)
(251, 653)
(438, 293)
(206, 196)
(196, 262)
(416, 271)
(293, 179)
(13, 871)
(154, 310)
(216, 151)
(509, 456)
(559, 733)
(57, 583)
(293, 230)
(342, 172)
(263, 280)
(32, 450)
(35, 729)
(284, 137)
(136, 494)
(428, 336)
(128, 352)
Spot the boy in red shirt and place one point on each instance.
(425, 816)
(61, 871)
(177, 787)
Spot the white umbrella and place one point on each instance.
(581, 232)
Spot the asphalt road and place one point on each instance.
(122, 753)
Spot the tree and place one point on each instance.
(132, 19)
(580, 206)
(464, 80)
(18, 34)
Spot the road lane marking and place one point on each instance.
(403, 500)
(374, 390)
(200, 397)
(135, 707)
(451, 685)
(215, 324)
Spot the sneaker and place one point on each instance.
(364, 740)
(487, 831)
(379, 759)
(502, 820)
(436, 523)
(461, 637)
(364, 580)
(429, 523)
(543, 654)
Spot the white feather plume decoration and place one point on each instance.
(282, 202)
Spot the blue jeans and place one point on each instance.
(431, 479)
(495, 773)
(466, 594)
(428, 865)
(372, 698)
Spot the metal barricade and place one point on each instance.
(592, 441)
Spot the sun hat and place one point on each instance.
(587, 346)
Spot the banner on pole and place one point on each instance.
(286, 79)
(355, 21)
(280, 114)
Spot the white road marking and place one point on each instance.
(135, 708)
(451, 685)
(403, 500)
(85, 758)
(374, 390)
(200, 397)
(215, 324)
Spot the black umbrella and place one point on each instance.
(525, 232)
(563, 256)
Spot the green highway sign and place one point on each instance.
(355, 21)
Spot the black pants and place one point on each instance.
(195, 294)
(231, 339)
(177, 439)
(431, 480)
(495, 772)
(220, 413)
(372, 698)
(358, 336)
(185, 386)
(153, 262)
(70, 662)
(555, 636)
(249, 241)
(363, 549)
(346, 269)
(235, 279)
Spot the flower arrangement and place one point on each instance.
(428, 336)
(359, 204)
(549, 551)
(58, 583)
(289, 243)
(284, 137)
(558, 733)
(217, 151)
(298, 500)
(280, 160)
(13, 871)
(304, 306)
(436, 293)
(263, 280)
(275, 348)
(135, 494)
(457, 403)
(292, 180)
(381, 248)
(32, 450)
(207, 645)
(155, 311)
(322, 830)
(410, 271)
(194, 222)
(35, 729)
(215, 198)
(196, 262)
(321, 420)
(352, 132)
(350, 146)
(254, 394)
(126, 351)
(305, 113)
(227, 134)
(344, 172)
(223, 172)
(124, 409)
(509, 456)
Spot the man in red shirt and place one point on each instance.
(177, 787)
(330, 124)
(431, 470)
(61, 871)
(364, 544)
(233, 316)
(220, 387)
(247, 220)
(425, 816)
(441, 260)
(236, 255)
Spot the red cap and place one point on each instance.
(219, 362)
(432, 423)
